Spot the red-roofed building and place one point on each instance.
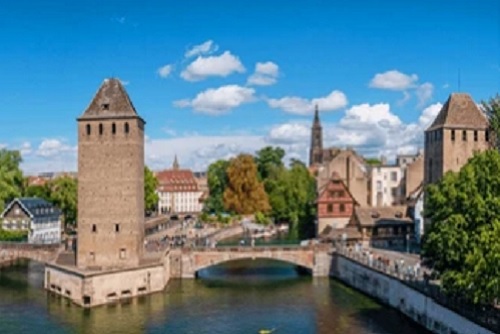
(178, 191)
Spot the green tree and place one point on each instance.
(492, 110)
(217, 182)
(11, 176)
(373, 161)
(268, 159)
(244, 193)
(463, 242)
(150, 186)
(40, 191)
(64, 195)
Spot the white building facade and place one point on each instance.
(178, 191)
(387, 186)
(39, 218)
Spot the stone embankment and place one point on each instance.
(405, 289)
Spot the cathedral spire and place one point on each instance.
(175, 165)
(316, 149)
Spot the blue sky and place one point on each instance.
(213, 79)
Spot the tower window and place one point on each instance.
(89, 129)
(113, 128)
(464, 135)
(117, 227)
(105, 106)
(453, 135)
(123, 253)
(487, 135)
(475, 135)
(101, 129)
(94, 228)
(127, 128)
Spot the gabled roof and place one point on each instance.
(110, 101)
(35, 207)
(176, 180)
(460, 111)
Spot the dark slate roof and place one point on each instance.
(460, 111)
(110, 101)
(39, 208)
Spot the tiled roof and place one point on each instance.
(36, 207)
(180, 180)
(111, 100)
(460, 111)
(382, 215)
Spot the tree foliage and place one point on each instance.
(492, 110)
(13, 235)
(244, 193)
(64, 195)
(150, 195)
(11, 176)
(217, 182)
(463, 242)
(268, 160)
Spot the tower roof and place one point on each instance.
(460, 111)
(316, 122)
(110, 101)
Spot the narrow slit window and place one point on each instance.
(127, 128)
(94, 228)
(475, 135)
(113, 128)
(101, 129)
(89, 129)
(453, 135)
(117, 227)
(464, 135)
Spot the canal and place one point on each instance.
(238, 297)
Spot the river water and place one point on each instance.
(239, 297)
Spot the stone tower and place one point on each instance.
(316, 149)
(110, 181)
(459, 130)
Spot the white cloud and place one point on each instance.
(203, 67)
(377, 114)
(203, 48)
(289, 133)
(52, 147)
(165, 71)
(393, 80)
(216, 101)
(265, 74)
(301, 106)
(429, 114)
(25, 148)
(424, 93)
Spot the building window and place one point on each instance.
(89, 129)
(117, 227)
(487, 135)
(331, 193)
(105, 106)
(453, 135)
(329, 208)
(127, 128)
(123, 253)
(464, 135)
(92, 256)
(101, 129)
(475, 135)
(94, 228)
(394, 192)
(394, 176)
(342, 207)
(113, 128)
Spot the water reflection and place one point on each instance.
(237, 297)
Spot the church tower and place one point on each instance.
(110, 181)
(316, 149)
(459, 130)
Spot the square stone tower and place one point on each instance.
(110, 181)
(459, 130)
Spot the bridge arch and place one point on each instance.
(201, 259)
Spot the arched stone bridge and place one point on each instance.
(12, 251)
(185, 263)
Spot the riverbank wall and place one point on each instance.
(396, 293)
